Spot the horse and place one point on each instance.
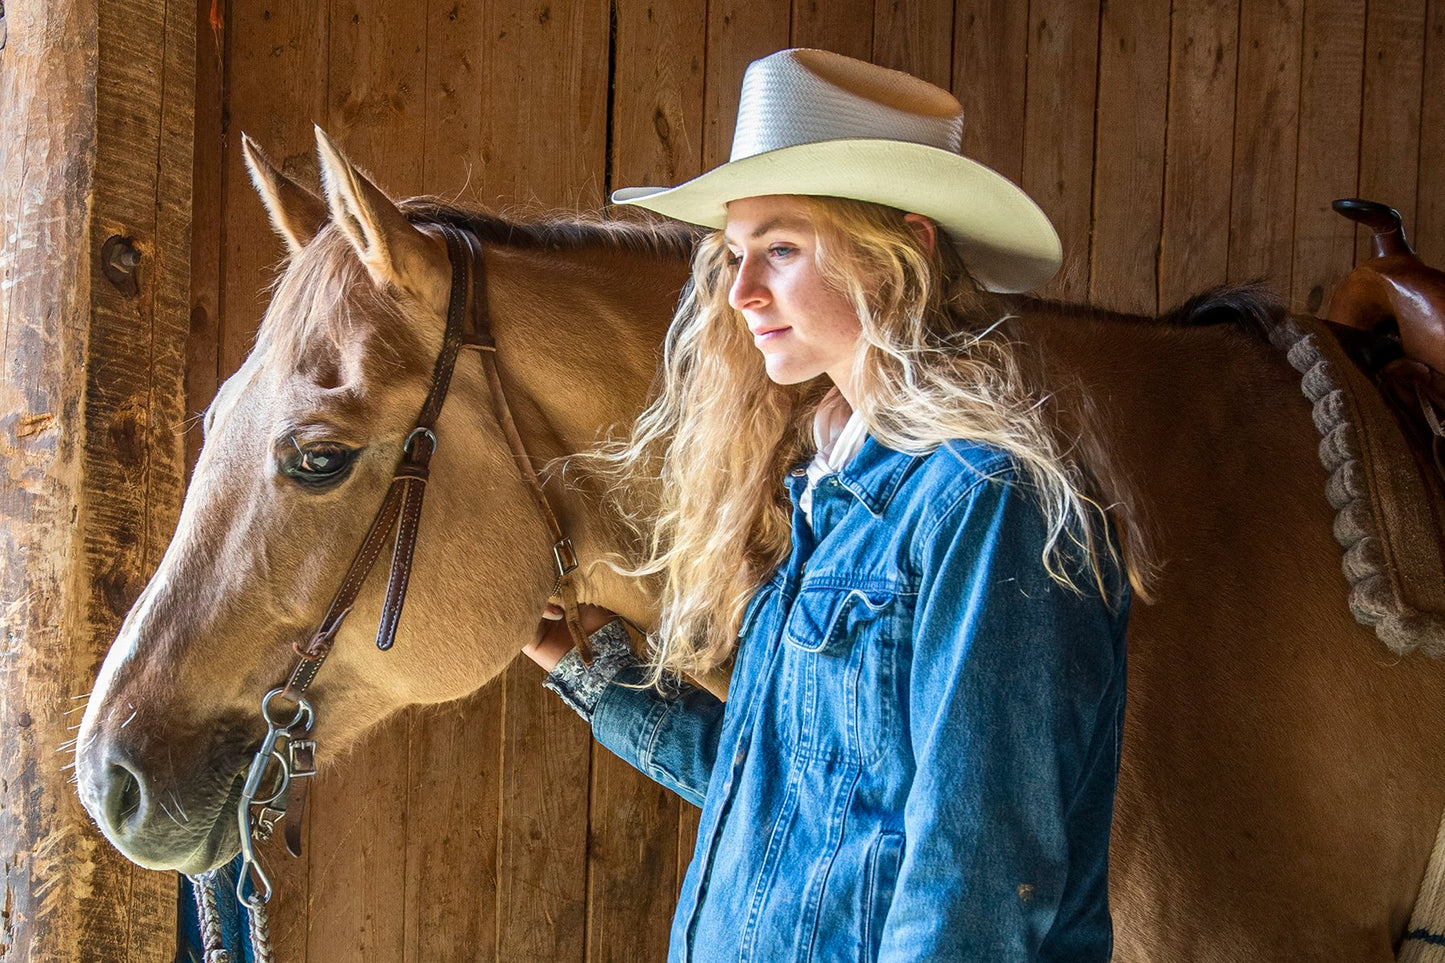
(1283, 773)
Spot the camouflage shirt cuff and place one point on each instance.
(580, 685)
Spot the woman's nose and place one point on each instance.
(748, 290)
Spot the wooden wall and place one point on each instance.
(95, 143)
(1175, 145)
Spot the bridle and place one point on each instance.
(288, 714)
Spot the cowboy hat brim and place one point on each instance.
(1005, 240)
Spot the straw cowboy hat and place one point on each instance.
(814, 122)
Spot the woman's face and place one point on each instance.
(803, 326)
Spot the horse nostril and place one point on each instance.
(124, 798)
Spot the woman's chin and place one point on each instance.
(781, 372)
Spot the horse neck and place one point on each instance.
(579, 335)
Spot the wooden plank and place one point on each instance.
(47, 124)
(454, 65)
(545, 145)
(203, 345)
(1129, 147)
(1059, 130)
(375, 89)
(632, 856)
(1428, 231)
(277, 67)
(541, 887)
(548, 148)
(452, 814)
(1266, 128)
(360, 823)
(135, 400)
(1329, 148)
(264, 42)
(689, 818)
(738, 32)
(657, 93)
(656, 140)
(915, 36)
(1194, 246)
(1390, 117)
(842, 26)
(990, 74)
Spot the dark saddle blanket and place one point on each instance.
(1388, 497)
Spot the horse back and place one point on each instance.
(1283, 771)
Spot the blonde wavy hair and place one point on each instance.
(698, 480)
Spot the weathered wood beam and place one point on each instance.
(95, 146)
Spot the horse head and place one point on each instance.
(300, 448)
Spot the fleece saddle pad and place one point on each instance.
(1390, 517)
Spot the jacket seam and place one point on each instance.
(1009, 475)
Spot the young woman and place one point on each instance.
(918, 753)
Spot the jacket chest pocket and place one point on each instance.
(841, 700)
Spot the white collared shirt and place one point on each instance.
(839, 432)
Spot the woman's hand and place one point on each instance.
(553, 640)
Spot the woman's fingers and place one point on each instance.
(553, 638)
(551, 642)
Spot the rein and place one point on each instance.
(288, 714)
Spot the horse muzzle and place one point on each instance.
(155, 818)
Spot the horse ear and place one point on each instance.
(296, 213)
(394, 251)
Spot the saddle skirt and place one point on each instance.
(1388, 500)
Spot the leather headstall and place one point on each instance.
(468, 325)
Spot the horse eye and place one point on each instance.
(324, 463)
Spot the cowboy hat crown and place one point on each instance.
(819, 123)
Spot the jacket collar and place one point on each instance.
(874, 474)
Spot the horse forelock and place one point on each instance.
(324, 301)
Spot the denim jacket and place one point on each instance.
(918, 753)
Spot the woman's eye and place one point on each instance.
(781, 250)
(317, 464)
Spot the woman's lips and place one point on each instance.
(768, 334)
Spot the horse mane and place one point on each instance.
(558, 231)
(1251, 307)
(330, 258)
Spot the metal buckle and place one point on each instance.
(416, 433)
(565, 557)
(301, 754)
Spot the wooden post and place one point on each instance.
(95, 182)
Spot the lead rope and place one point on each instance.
(213, 948)
(260, 929)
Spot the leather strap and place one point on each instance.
(564, 557)
(468, 324)
(400, 512)
(296, 795)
